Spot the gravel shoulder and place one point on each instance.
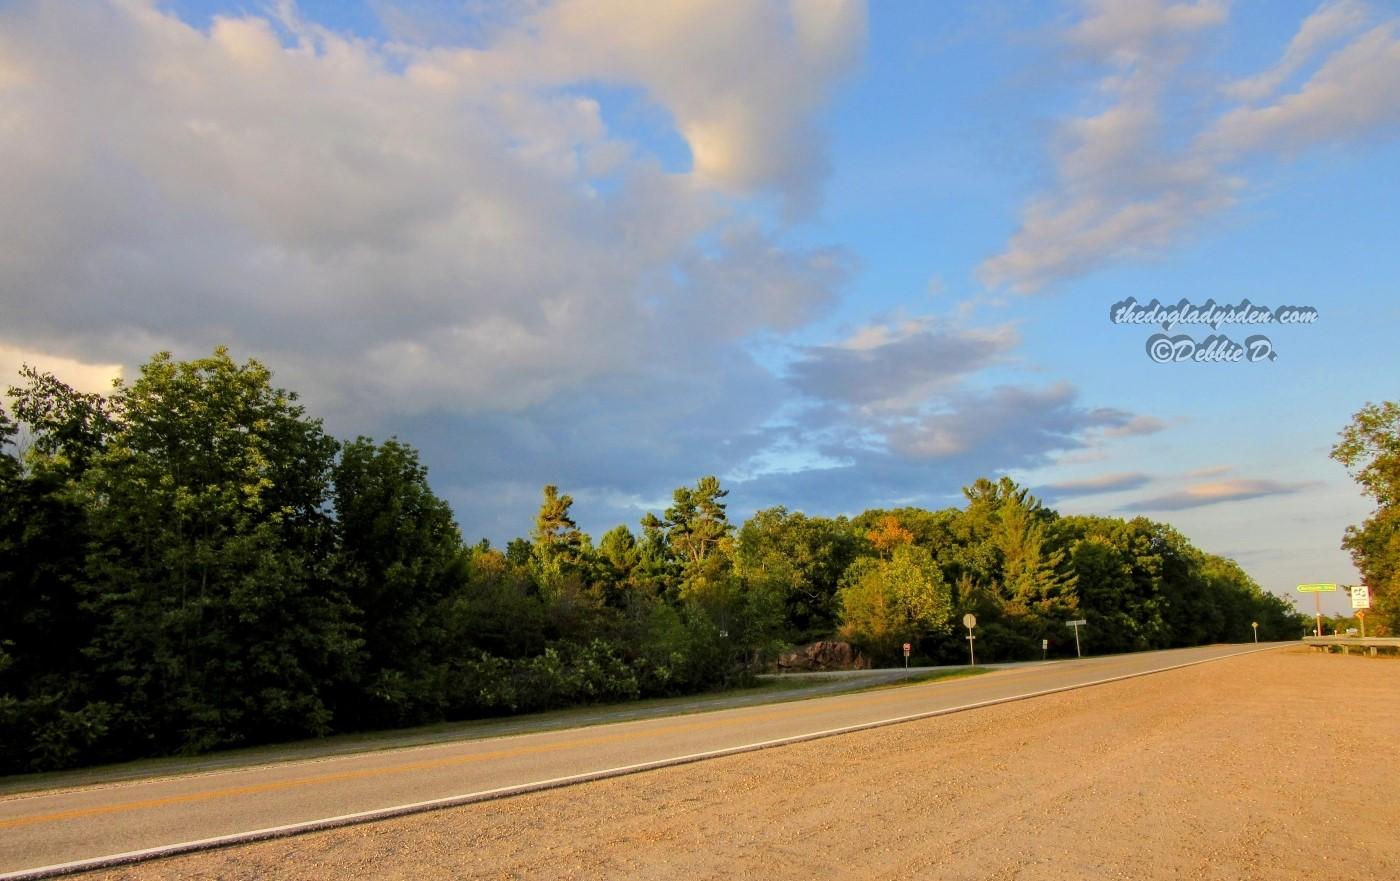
(1277, 765)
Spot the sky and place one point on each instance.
(841, 256)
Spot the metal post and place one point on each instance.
(1361, 616)
(1077, 652)
(971, 653)
(1317, 603)
(1256, 632)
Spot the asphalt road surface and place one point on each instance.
(51, 828)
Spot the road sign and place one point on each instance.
(1076, 624)
(907, 649)
(969, 620)
(1360, 596)
(1317, 590)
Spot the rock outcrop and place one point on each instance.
(825, 655)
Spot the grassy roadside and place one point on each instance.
(777, 690)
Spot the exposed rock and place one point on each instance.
(824, 655)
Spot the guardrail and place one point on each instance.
(1347, 643)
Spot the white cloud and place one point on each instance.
(1128, 184)
(741, 80)
(1355, 93)
(1126, 31)
(1328, 23)
(399, 228)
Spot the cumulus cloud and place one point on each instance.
(453, 243)
(1216, 492)
(741, 80)
(480, 236)
(1128, 185)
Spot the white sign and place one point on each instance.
(1078, 622)
(1360, 596)
(969, 620)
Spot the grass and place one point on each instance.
(774, 690)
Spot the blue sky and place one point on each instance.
(842, 256)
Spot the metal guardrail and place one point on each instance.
(1353, 640)
(1347, 643)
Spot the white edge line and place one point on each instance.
(452, 801)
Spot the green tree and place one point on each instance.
(69, 427)
(48, 715)
(399, 558)
(801, 560)
(1369, 448)
(695, 523)
(556, 535)
(209, 575)
(885, 602)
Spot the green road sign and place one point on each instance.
(1317, 588)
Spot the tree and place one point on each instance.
(801, 559)
(209, 573)
(69, 427)
(695, 523)
(556, 533)
(47, 715)
(1370, 450)
(398, 559)
(1035, 580)
(885, 602)
(888, 534)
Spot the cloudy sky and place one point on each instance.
(840, 256)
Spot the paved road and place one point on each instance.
(48, 828)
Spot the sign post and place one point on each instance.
(1076, 624)
(1255, 625)
(970, 621)
(1317, 590)
(1044, 648)
(1361, 601)
(907, 648)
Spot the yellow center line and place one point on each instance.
(445, 762)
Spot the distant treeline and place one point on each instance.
(192, 563)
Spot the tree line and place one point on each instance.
(191, 563)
